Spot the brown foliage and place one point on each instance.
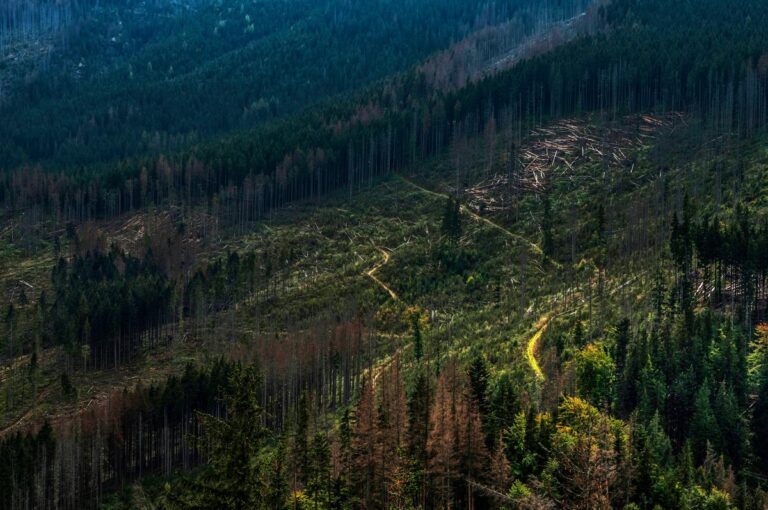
(456, 444)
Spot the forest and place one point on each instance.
(384, 255)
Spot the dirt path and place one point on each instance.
(533, 347)
(535, 247)
(542, 324)
(371, 273)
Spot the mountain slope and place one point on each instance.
(142, 77)
(542, 289)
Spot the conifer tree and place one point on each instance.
(319, 471)
(760, 419)
(418, 430)
(704, 429)
(301, 457)
(621, 345)
(234, 479)
(451, 225)
(478, 379)
(366, 457)
(418, 343)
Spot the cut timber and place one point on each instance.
(535, 247)
(558, 149)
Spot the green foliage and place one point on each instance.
(677, 377)
(711, 499)
(621, 345)
(478, 381)
(451, 226)
(595, 372)
(760, 421)
(418, 343)
(129, 79)
(319, 482)
(103, 303)
(704, 428)
(237, 477)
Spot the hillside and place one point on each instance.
(511, 264)
(137, 76)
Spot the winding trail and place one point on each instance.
(463, 208)
(371, 273)
(541, 327)
(542, 324)
(533, 347)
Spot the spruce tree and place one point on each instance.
(234, 478)
(620, 346)
(451, 224)
(418, 347)
(760, 421)
(704, 428)
(478, 380)
(319, 476)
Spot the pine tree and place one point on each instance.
(504, 404)
(478, 379)
(319, 471)
(456, 442)
(392, 431)
(276, 487)
(443, 439)
(366, 457)
(500, 470)
(344, 478)
(418, 347)
(621, 345)
(760, 421)
(418, 430)
(704, 428)
(300, 452)
(234, 478)
(686, 468)
(451, 225)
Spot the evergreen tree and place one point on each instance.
(504, 404)
(418, 346)
(621, 345)
(760, 421)
(478, 381)
(319, 475)
(419, 401)
(276, 487)
(366, 457)
(301, 450)
(451, 225)
(595, 375)
(235, 478)
(704, 428)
